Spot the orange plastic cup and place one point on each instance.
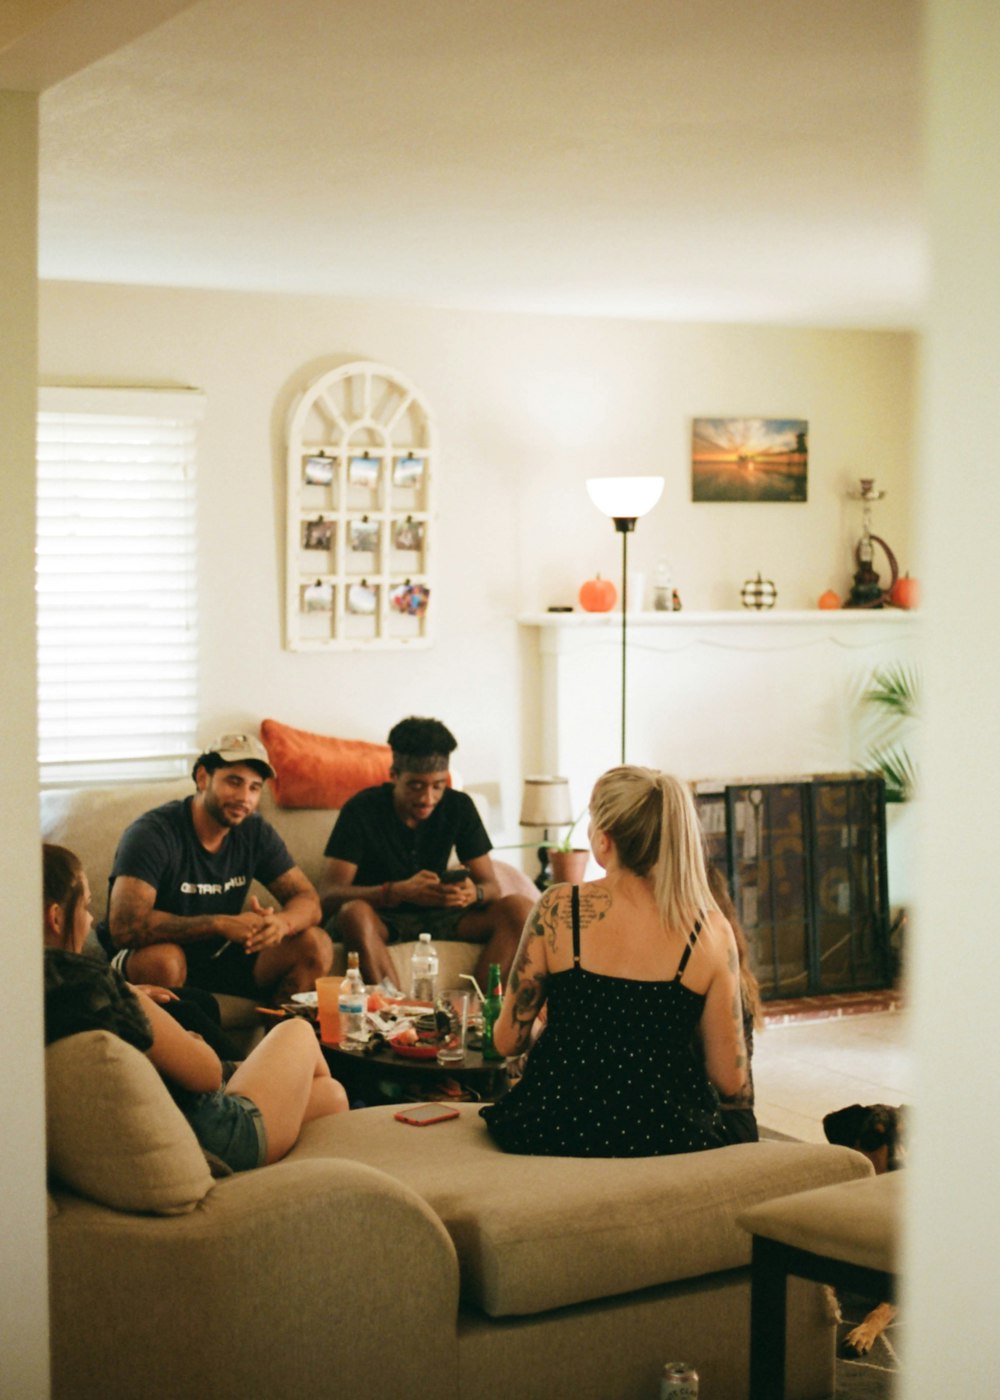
(327, 993)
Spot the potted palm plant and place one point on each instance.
(891, 699)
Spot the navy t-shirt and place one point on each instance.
(162, 848)
(370, 835)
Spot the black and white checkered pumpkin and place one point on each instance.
(759, 593)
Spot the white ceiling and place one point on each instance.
(743, 160)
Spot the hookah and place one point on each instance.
(867, 590)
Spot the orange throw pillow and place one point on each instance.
(316, 771)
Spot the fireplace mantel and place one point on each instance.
(711, 694)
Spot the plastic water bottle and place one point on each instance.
(353, 1002)
(423, 969)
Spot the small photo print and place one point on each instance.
(410, 599)
(318, 470)
(749, 459)
(364, 536)
(408, 471)
(408, 534)
(361, 599)
(317, 597)
(363, 471)
(317, 534)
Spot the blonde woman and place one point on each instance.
(638, 975)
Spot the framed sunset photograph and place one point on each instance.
(749, 459)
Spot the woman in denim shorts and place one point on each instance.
(252, 1119)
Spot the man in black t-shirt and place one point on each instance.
(177, 905)
(389, 849)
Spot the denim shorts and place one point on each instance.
(230, 1126)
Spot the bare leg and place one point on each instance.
(364, 933)
(288, 1079)
(294, 964)
(159, 964)
(498, 927)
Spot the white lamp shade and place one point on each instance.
(546, 802)
(625, 497)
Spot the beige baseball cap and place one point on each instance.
(240, 748)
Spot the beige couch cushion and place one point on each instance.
(857, 1222)
(536, 1233)
(114, 1132)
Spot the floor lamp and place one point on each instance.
(624, 499)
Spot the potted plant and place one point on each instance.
(892, 698)
(568, 862)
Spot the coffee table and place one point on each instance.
(383, 1077)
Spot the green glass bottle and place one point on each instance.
(491, 1012)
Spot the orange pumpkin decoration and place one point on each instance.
(905, 592)
(829, 600)
(598, 595)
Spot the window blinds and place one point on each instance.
(116, 583)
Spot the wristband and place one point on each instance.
(480, 895)
(384, 897)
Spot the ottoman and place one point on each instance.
(843, 1234)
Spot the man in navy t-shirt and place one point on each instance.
(177, 906)
(389, 849)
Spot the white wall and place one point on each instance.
(527, 407)
(24, 1295)
(953, 1255)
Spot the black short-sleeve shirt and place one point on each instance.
(370, 835)
(162, 848)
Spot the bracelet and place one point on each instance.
(384, 897)
(480, 895)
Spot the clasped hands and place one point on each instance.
(429, 889)
(256, 928)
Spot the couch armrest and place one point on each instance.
(513, 881)
(282, 1282)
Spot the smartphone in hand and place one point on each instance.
(455, 876)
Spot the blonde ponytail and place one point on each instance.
(652, 820)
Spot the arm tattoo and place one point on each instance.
(528, 1002)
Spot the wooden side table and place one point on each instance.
(844, 1235)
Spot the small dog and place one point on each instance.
(877, 1131)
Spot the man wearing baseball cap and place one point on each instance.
(178, 911)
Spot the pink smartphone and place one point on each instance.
(422, 1114)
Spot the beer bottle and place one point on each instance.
(491, 1012)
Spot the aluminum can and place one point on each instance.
(680, 1382)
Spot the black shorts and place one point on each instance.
(406, 925)
(216, 965)
(220, 966)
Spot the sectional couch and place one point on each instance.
(379, 1259)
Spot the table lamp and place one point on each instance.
(545, 803)
(624, 499)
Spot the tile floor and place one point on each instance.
(805, 1067)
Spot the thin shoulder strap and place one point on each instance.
(692, 940)
(576, 925)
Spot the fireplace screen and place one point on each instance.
(805, 861)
